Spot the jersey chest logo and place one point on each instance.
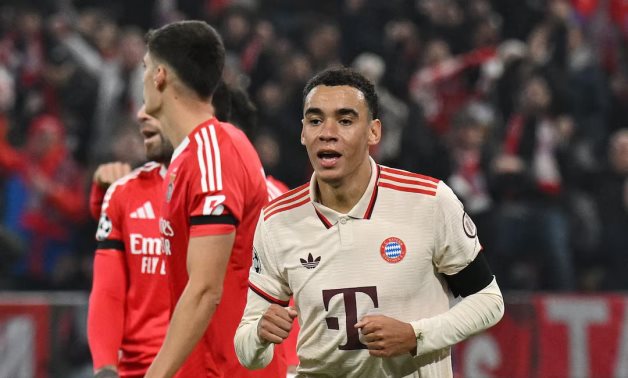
(143, 212)
(311, 262)
(393, 250)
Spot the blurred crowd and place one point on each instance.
(521, 106)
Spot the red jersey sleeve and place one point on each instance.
(105, 316)
(96, 195)
(110, 233)
(216, 192)
(105, 319)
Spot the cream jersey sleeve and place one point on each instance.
(471, 315)
(266, 286)
(456, 245)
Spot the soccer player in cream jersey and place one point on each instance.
(371, 254)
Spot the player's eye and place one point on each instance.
(345, 121)
(315, 121)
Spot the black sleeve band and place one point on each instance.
(475, 277)
(111, 244)
(213, 219)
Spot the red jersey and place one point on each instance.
(215, 184)
(129, 230)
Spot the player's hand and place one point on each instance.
(276, 323)
(107, 173)
(386, 337)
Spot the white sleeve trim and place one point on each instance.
(471, 315)
(252, 352)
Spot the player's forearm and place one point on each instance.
(252, 352)
(105, 318)
(188, 324)
(473, 314)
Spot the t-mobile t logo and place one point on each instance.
(351, 310)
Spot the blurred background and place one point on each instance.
(521, 106)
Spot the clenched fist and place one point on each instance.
(276, 324)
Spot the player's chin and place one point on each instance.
(154, 153)
(329, 176)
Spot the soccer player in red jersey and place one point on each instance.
(213, 193)
(128, 307)
(106, 336)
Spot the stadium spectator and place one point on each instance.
(44, 202)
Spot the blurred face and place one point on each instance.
(132, 48)
(536, 96)
(157, 147)
(619, 152)
(337, 132)
(43, 141)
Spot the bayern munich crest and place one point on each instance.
(393, 250)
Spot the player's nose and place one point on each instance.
(141, 115)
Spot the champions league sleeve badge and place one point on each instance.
(104, 228)
(468, 226)
(257, 264)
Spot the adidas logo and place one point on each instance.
(310, 263)
(144, 212)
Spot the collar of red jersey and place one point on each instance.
(186, 141)
(362, 210)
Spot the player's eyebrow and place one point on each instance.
(347, 111)
(313, 111)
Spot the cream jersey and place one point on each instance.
(386, 256)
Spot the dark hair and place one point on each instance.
(233, 105)
(243, 112)
(222, 102)
(334, 77)
(195, 52)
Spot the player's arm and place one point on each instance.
(267, 320)
(206, 264)
(105, 317)
(481, 308)
(103, 177)
(263, 324)
(458, 257)
(474, 313)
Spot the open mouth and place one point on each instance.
(328, 158)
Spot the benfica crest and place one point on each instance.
(170, 187)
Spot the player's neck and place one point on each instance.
(344, 195)
(181, 117)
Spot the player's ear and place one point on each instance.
(302, 137)
(159, 78)
(375, 132)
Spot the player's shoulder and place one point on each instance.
(124, 184)
(275, 187)
(402, 181)
(287, 202)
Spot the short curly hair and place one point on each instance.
(334, 77)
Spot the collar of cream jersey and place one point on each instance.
(362, 210)
(186, 141)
